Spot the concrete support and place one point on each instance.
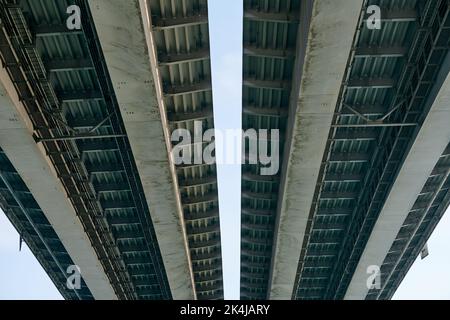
(327, 52)
(123, 28)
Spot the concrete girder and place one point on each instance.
(124, 32)
(327, 54)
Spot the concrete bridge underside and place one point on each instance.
(86, 174)
(365, 179)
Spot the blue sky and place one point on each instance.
(226, 58)
(430, 278)
(21, 276)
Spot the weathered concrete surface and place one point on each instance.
(329, 44)
(431, 141)
(124, 32)
(38, 174)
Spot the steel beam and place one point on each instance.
(176, 22)
(264, 111)
(258, 212)
(205, 113)
(116, 205)
(367, 110)
(91, 145)
(190, 183)
(252, 50)
(365, 134)
(330, 195)
(79, 96)
(381, 52)
(123, 220)
(54, 30)
(68, 65)
(99, 168)
(265, 16)
(267, 84)
(397, 15)
(181, 89)
(202, 215)
(210, 197)
(350, 157)
(85, 123)
(80, 137)
(260, 195)
(343, 177)
(373, 83)
(185, 57)
(204, 244)
(259, 178)
(212, 228)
